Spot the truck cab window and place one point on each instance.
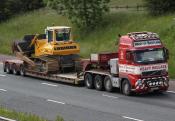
(149, 55)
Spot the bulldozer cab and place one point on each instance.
(58, 34)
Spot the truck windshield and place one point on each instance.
(62, 36)
(149, 56)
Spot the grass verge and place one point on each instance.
(22, 116)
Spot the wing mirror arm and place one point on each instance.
(166, 53)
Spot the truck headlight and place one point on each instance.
(154, 83)
(139, 82)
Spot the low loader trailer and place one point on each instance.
(140, 66)
(17, 67)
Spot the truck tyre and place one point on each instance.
(98, 82)
(126, 87)
(4, 67)
(89, 81)
(108, 84)
(7, 68)
(22, 71)
(14, 70)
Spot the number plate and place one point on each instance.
(154, 88)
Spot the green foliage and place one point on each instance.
(59, 118)
(12, 7)
(83, 13)
(126, 2)
(23, 116)
(157, 7)
(19, 116)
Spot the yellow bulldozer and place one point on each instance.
(50, 52)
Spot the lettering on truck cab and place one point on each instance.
(137, 70)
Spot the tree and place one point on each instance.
(83, 13)
(12, 7)
(157, 7)
(27, 5)
(2, 10)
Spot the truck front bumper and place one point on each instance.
(151, 84)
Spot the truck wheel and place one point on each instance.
(126, 88)
(108, 84)
(4, 67)
(98, 82)
(22, 71)
(89, 81)
(7, 68)
(14, 70)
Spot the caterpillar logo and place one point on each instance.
(65, 48)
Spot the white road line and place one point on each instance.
(54, 101)
(53, 85)
(171, 92)
(2, 75)
(3, 90)
(132, 118)
(110, 96)
(6, 119)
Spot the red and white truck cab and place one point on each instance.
(140, 65)
(143, 62)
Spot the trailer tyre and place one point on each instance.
(14, 70)
(22, 70)
(108, 84)
(7, 68)
(89, 81)
(4, 67)
(98, 82)
(126, 88)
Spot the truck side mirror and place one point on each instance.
(166, 53)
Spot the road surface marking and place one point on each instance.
(63, 103)
(6, 119)
(110, 96)
(132, 118)
(171, 92)
(2, 75)
(3, 90)
(53, 85)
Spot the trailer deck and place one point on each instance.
(72, 78)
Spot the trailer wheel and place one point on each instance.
(89, 81)
(126, 87)
(108, 84)
(22, 71)
(7, 68)
(4, 67)
(98, 82)
(14, 70)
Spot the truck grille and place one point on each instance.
(152, 73)
(155, 82)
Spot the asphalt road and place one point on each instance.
(49, 99)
